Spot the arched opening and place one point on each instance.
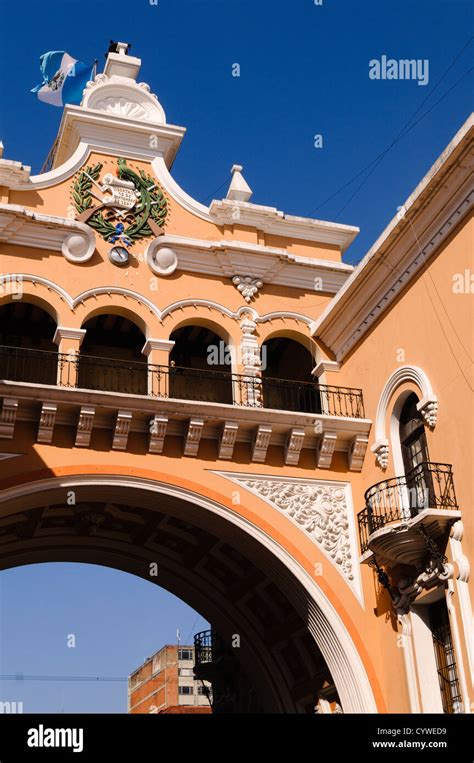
(27, 350)
(290, 644)
(200, 366)
(111, 356)
(286, 374)
(415, 456)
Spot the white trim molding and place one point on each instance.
(429, 216)
(324, 622)
(322, 509)
(81, 298)
(324, 366)
(231, 258)
(24, 227)
(428, 406)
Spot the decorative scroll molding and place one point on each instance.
(24, 227)
(294, 446)
(261, 443)
(320, 508)
(227, 439)
(8, 417)
(247, 286)
(46, 424)
(84, 426)
(193, 437)
(122, 429)
(158, 426)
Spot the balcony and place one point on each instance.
(189, 402)
(214, 660)
(129, 377)
(401, 512)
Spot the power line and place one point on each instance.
(211, 195)
(402, 135)
(404, 131)
(20, 677)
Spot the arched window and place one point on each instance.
(27, 350)
(111, 356)
(416, 460)
(287, 380)
(200, 366)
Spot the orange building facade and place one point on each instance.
(208, 397)
(165, 684)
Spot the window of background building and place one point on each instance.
(185, 654)
(185, 690)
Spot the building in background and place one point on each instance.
(165, 683)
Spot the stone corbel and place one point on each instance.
(84, 426)
(227, 439)
(46, 425)
(122, 429)
(261, 443)
(436, 573)
(428, 408)
(294, 446)
(381, 450)
(193, 437)
(357, 450)
(158, 426)
(8, 417)
(325, 451)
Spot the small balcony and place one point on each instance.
(178, 383)
(401, 512)
(214, 660)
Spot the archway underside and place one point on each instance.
(216, 567)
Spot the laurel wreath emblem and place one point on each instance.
(149, 212)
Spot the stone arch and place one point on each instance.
(418, 381)
(323, 620)
(40, 292)
(116, 306)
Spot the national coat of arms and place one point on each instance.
(131, 205)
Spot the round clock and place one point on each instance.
(119, 256)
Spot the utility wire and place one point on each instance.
(20, 677)
(400, 134)
(211, 195)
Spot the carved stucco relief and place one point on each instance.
(321, 508)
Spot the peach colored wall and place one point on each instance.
(411, 324)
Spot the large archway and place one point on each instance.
(291, 642)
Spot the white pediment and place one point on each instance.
(123, 97)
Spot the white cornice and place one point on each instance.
(23, 227)
(268, 264)
(427, 218)
(271, 220)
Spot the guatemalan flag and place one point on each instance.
(64, 78)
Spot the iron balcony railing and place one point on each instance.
(206, 385)
(203, 647)
(427, 485)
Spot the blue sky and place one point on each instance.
(303, 72)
